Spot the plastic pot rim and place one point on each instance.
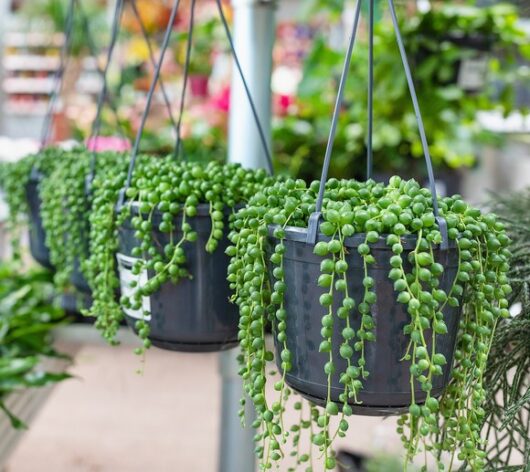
(299, 235)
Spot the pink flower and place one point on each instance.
(108, 143)
(221, 101)
(283, 103)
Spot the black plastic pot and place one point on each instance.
(72, 303)
(387, 389)
(194, 315)
(78, 279)
(37, 236)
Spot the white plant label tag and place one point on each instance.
(125, 265)
(472, 73)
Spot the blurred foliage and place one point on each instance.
(206, 36)
(27, 318)
(54, 12)
(436, 43)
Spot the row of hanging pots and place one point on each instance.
(169, 249)
(381, 299)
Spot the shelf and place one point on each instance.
(28, 85)
(26, 108)
(31, 62)
(33, 40)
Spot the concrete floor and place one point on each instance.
(110, 419)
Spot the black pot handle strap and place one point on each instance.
(150, 94)
(245, 85)
(185, 79)
(314, 219)
(369, 150)
(442, 224)
(94, 52)
(96, 125)
(59, 74)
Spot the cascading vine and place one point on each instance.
(14, 179)
(65, 208)
(392, 215)
(164, 196)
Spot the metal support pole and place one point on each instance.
(236, 447)
(253, 33)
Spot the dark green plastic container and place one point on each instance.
(37, 235)
(194, 315)
(78, 279)
(387, 389)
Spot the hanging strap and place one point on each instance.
(442, 224)
(369, 151)
(96, 125)
(154, 82)
(147, 40)
(185, 78)
(59, 74)
(247, 90)
(94, 53)
(314, 219)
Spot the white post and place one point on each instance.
(253, 33)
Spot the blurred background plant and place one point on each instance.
(27, 318)
(51, 15)
(507, 422)
(438, 42)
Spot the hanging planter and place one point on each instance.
(22, 183)
(387, 390)
(164, 225)
(383, 299)
(167, 240)
(37, 236)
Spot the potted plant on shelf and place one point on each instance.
(28, 357)
(455, 44)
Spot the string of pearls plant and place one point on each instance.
(171, 189)
(65, 208)
(14, 179)
(448, 424)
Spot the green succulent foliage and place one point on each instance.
(436, 44)
(65, 207)
(14, 178)
(449, 424)
(55, 11)
(507, 374)
(174, 190)
(27, 318)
